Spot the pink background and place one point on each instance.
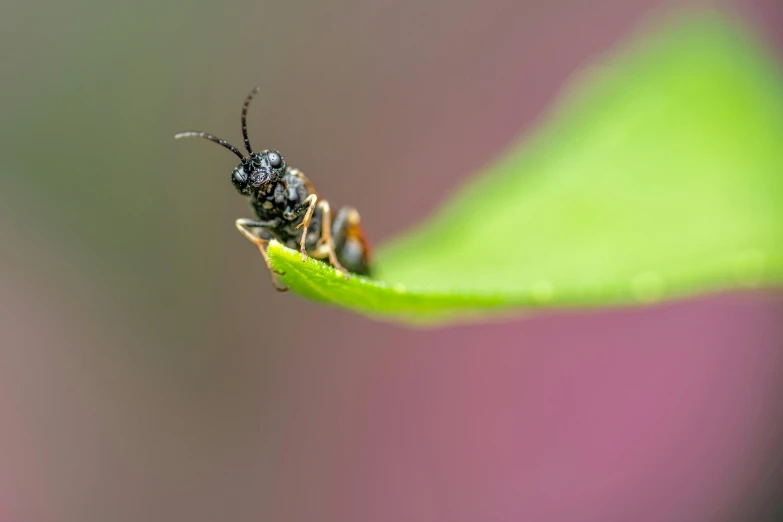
(149, 372)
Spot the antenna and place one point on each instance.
(244, 117)
(210, 137)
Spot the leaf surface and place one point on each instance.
(658, 175)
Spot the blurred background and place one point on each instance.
(148, 370)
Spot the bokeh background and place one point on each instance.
(149, 372)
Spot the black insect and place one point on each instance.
(291, 211)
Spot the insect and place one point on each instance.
(290, 210)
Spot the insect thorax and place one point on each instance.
(278, 201)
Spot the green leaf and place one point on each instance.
(660, 175)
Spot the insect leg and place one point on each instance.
(310, 203)
(325, 244)
(244, 226)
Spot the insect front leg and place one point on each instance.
(325, 247)
(308, 204)
(244, 226)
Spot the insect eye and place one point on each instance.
(240, 176)
(275, 161)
